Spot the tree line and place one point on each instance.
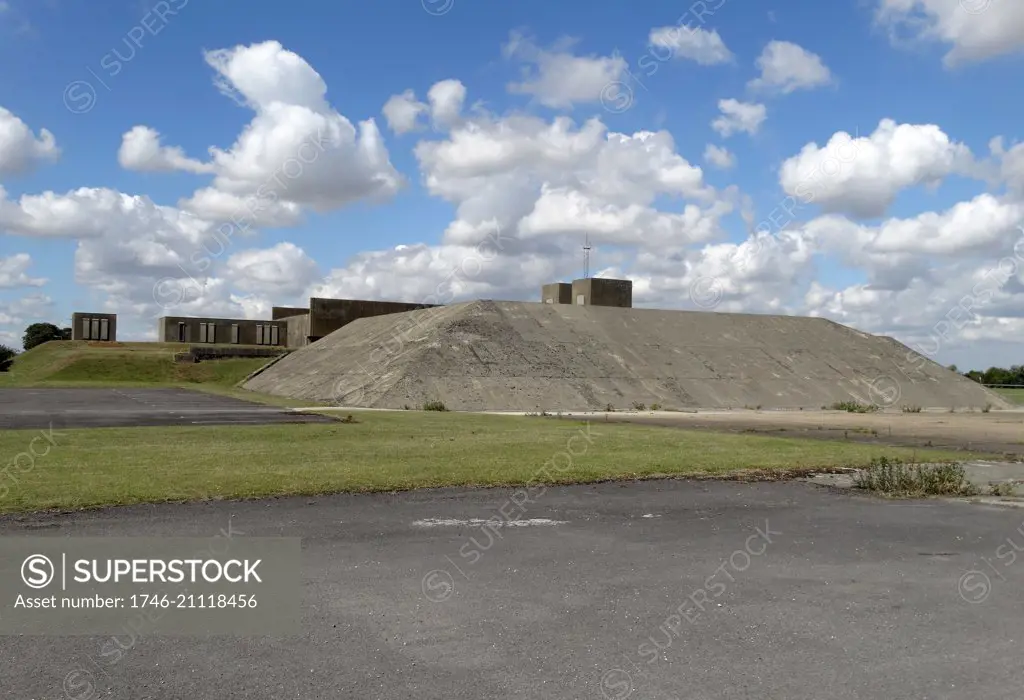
(997, 375)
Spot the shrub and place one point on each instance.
(639, 406)
(854, 407)
(1003, 489)
(7, 356)
(655, 406)
(911, 409)
(895, 478)
(434, 406)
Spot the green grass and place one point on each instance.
(388, 451)
(82, 363)
(79, 362)
(1013, 395)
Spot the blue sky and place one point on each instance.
(879, 66)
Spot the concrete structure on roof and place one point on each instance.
(93, 326)
(324, 316)
(228, 331)
(556, 293)
(279, 313)
(590, 291)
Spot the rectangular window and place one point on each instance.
(211, 332)
(274, 337)
(234, 333)
(104, 329)
(181, 333)
(202, 332)
(259, 334)
(85, 328)
(579, 300)
(94, 332)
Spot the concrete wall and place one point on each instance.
(597, 291)
(90, 326)
(556, 293)
(298, 330)
(328, 315)
(210, 352)
(169, 330)
(280, 313)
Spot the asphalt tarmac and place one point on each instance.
(115, 408)
(668, 589)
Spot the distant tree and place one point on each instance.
(65, 334)
(39, 333)
(998, 375)
(7, 356)
(952, 368)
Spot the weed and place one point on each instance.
(854, 407)
(639, 406)
(911, 409)
(1003, 489)
(988, 407)
(348, 419)
(655, 406)
(896, 478)
(434, 406)
(609, 408)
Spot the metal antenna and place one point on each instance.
(586, 258)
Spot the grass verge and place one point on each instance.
(1013, 395)
(387, 451)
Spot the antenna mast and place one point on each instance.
(586, 258)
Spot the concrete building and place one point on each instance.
(229, 331)
(290, 326)
(590, 291)
(279, 313)
(556, 293)
(324, 316)
(92, 326)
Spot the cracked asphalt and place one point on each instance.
(90, 407)
(661, 589)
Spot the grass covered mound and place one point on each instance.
(85, 362)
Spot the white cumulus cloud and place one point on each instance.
(787, 67)
(696, 44)
(21, 150)
(738, 117)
